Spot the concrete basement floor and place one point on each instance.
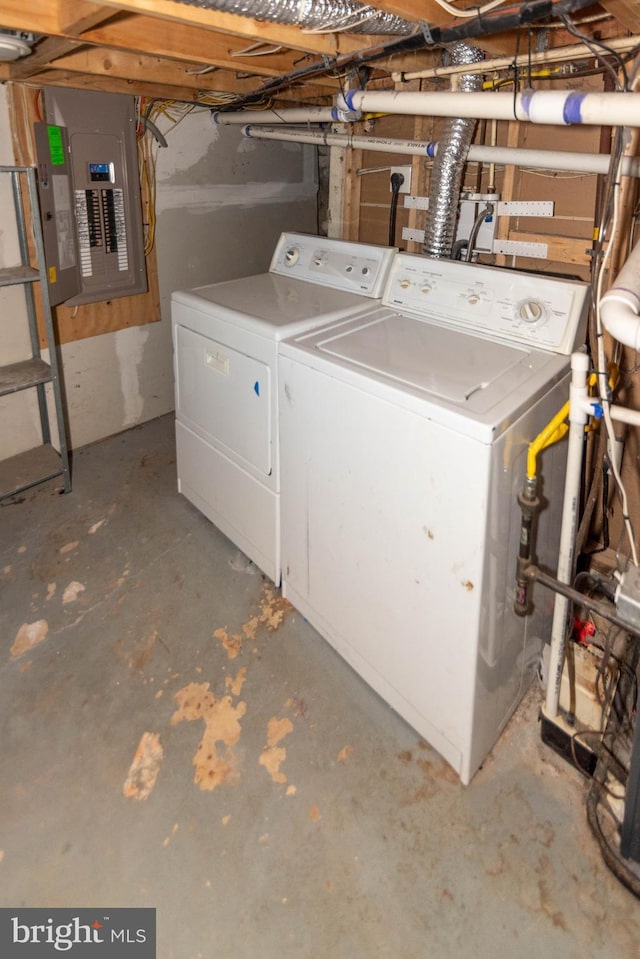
(277, 807)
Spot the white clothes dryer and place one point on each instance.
(225, 340)
(404, 435)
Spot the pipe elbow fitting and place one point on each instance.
(619, 313)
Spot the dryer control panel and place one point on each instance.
(351, 267)
(547, 312)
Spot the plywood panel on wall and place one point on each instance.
(90, 319)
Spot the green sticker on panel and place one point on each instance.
(55, 146)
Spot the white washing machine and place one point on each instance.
(404, 435)
(225, 341)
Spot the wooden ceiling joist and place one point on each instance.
(76, 16)
(161, 45)
(190, 44)
(263, 30)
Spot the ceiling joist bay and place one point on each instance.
(179, 51)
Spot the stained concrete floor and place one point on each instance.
(276, 806)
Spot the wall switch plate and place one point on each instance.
(405, 186)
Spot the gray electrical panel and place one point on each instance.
(102, 152)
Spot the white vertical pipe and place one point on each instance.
(578, 416)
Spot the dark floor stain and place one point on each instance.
(546, 906)
(439, 769)
(139, 653)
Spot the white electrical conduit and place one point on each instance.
(540, 159)
(579, 51)
(557, 107)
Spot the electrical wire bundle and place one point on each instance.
(156, 119)
(616, 689)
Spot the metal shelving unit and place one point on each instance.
(44, 462)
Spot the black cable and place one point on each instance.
(609, 853)
(599, 582)
(457, 248)
(612, 767)
(397, 180)
(591, 43)
(604, 486)
(516, 76)
(510, 19)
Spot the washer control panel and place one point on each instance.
(350, 267)
(547, 312)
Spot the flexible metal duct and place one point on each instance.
(342, 15)
(446, 173)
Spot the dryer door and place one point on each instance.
(224, 396)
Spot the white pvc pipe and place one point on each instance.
(558, 107)
(548, 160)
(578, 51)
(293, 115)
(541, 159)
(623, 415)
(578, 416)
(329, 138)
(620, 305)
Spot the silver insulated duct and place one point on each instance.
(339, 15)
(448, 165)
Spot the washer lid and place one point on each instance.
(272, 305)
(420, 355)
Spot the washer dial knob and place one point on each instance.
(291, 256)
(531, 311)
